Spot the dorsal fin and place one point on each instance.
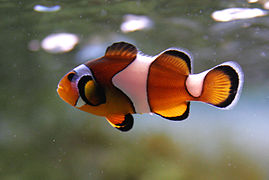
(121, 49)
(179, 59)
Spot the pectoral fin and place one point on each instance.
(91, 92)
(121, 122)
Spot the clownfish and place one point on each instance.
(124, 82)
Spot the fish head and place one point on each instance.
(80, 89)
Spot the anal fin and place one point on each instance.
(177, 113)
(121, 122)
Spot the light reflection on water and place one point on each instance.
(60, 42)
(41, 8)
(237, 13)
(133, 23)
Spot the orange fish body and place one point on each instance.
(124, 82)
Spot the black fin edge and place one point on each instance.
(127, 124)
(181, 55)
(234, 78)
(181, 117)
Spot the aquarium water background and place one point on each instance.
(42, 137)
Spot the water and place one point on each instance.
(42, 137)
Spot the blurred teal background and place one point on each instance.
(41, 137)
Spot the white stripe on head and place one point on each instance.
(81, 70)
(133, 82)
(80, 102)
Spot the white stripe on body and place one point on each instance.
(133, 82)
(195, 83)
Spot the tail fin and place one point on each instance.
(220, 86)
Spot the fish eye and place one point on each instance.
(70, 76)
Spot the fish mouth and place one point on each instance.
(67, 93)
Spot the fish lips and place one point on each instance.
(67, 91)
